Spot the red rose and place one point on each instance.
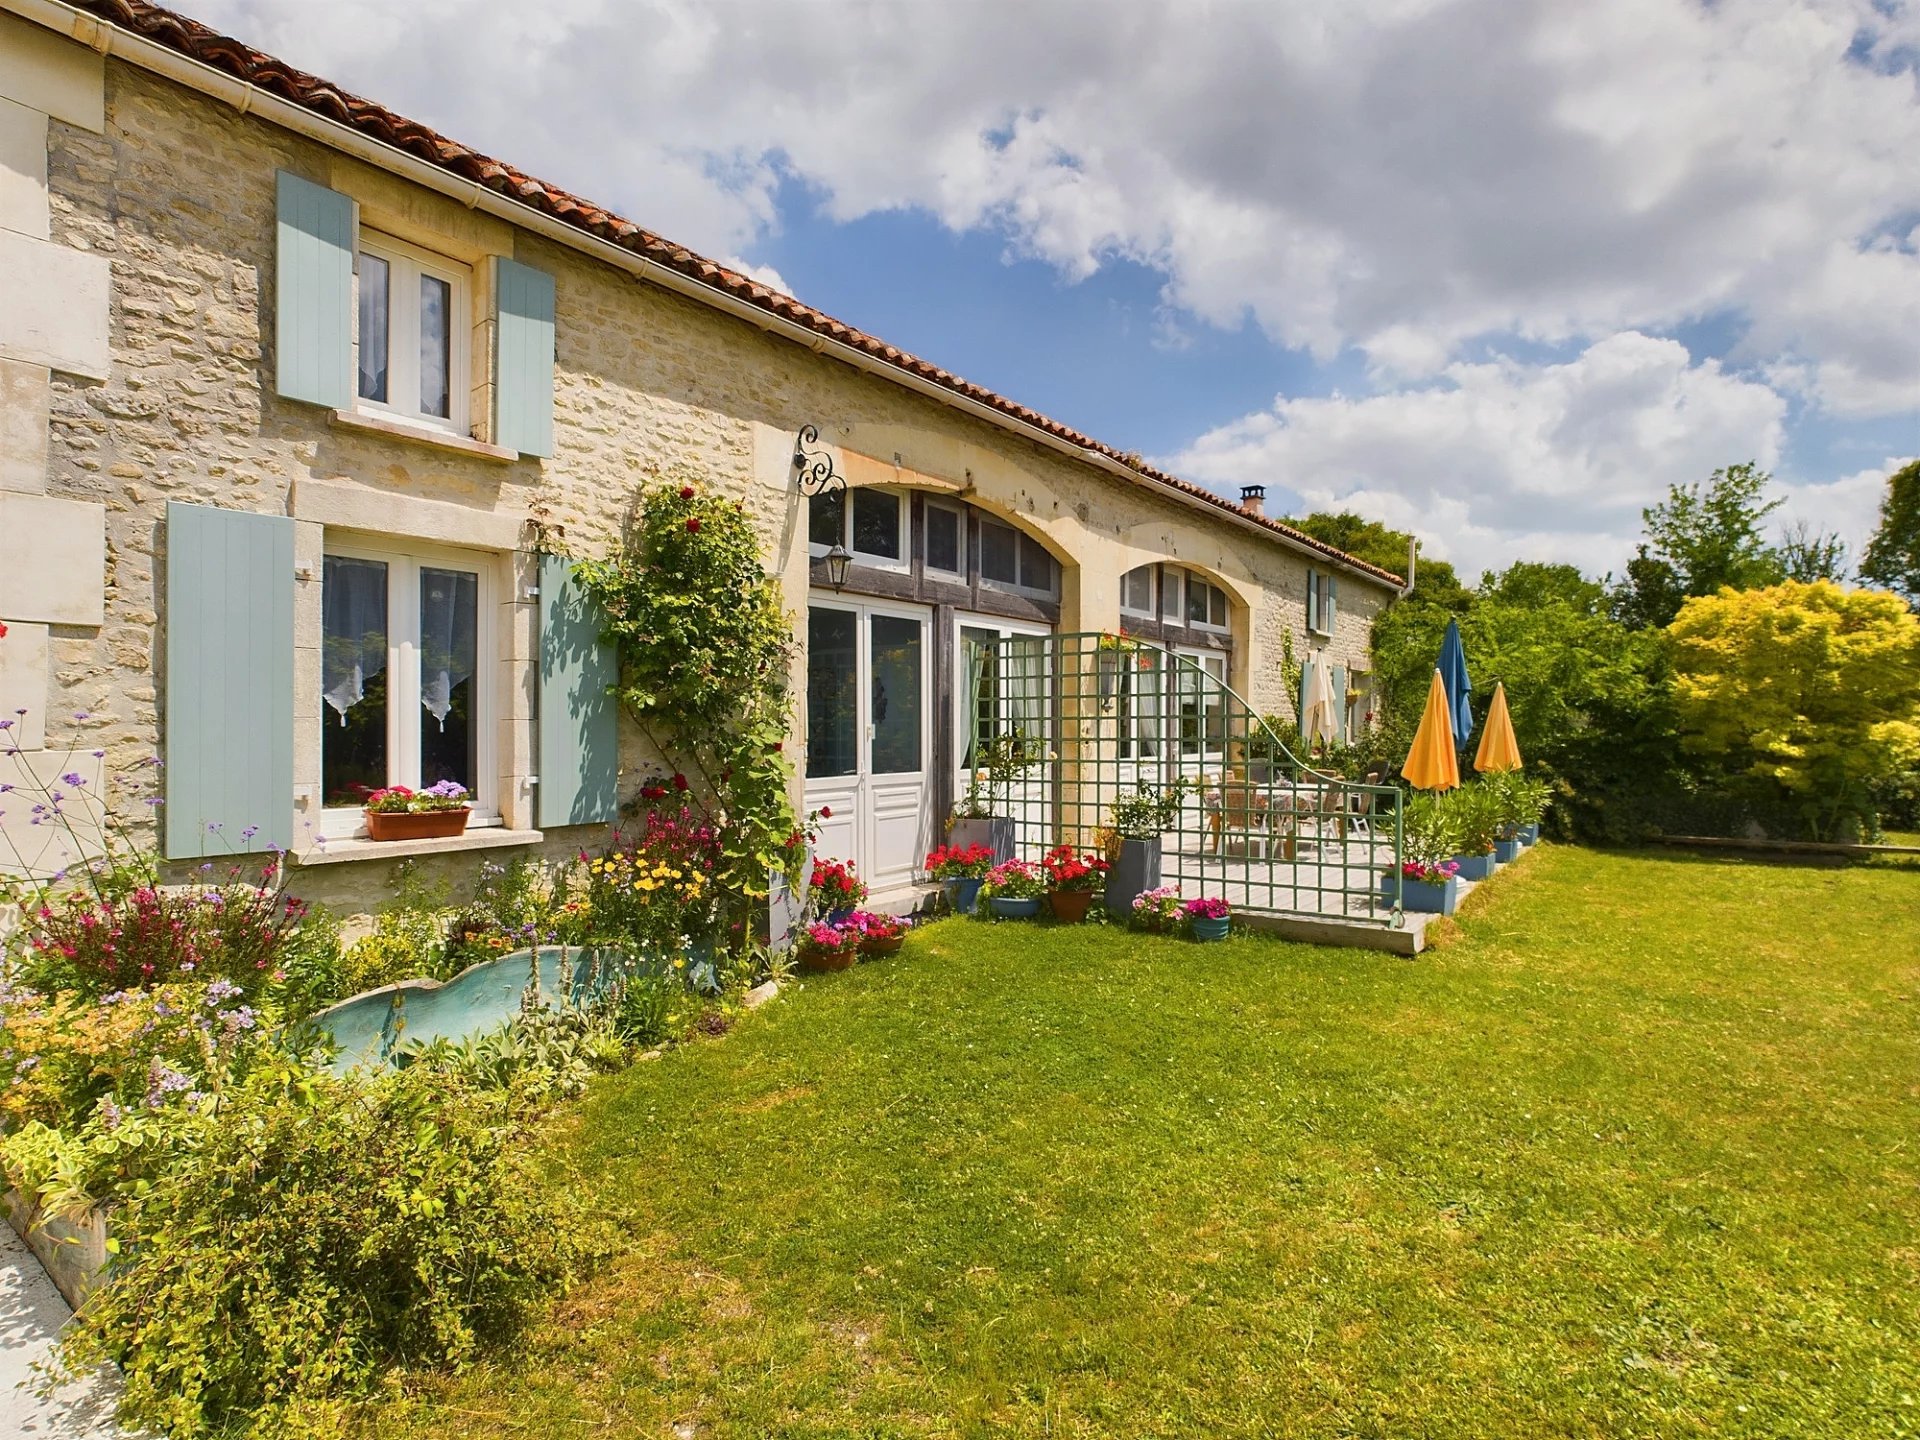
(826, 812)
(686, 492)
(679, 782)
(693, 524)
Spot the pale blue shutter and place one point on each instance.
(1338, 676)
(523, 362)
(1300, 700)
(229, 681)
(313, 294)
(1313, 601)
(579, 719)
(1333, 603)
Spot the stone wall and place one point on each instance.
(176, 193)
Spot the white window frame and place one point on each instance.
(405, 265)
(1225, 627)
(959, 514)
(1212, 664)
(1321, 583)
(1016, 587)
(1153, 591)
(1172, 588)
(866, 558)
(403, 672)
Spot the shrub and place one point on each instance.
(1430, 833)
(1475, 812)
(309, 1235)
(518, 906)
(1149, 811)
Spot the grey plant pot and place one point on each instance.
(1136, 871)
(787, 905)
(993, 831)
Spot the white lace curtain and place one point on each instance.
(353, 622)
(449, 613)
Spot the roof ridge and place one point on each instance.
(201, 42)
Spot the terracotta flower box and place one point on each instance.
(416, 824)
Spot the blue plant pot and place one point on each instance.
(1508, 851)
(1006, 907)
(963, 894)
(1428, 899)
(1205, 929)
(1530, 834)
(1477, 867)
(839, 917)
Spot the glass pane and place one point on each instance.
(978, 686)
(1150, 703)
(353, 679)
(1197, 601)
(436, 341)
(1036, 565)
(999, 554)
(1217, 607)
(1170, 595)
(827, 519)
(373, 328)
(876, 524)
(832, 664)
(943, 540)
(896, 694)
(449, 706)
(1188, 685)
(1136, 590)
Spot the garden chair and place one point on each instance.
(1240, 805)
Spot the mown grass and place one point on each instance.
(1634, 1153)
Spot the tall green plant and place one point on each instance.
(704, 647)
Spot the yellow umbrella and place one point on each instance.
(1431, 764)
(1499, 750)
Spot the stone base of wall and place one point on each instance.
(74, 1252)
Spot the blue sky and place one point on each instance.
(1496, 271)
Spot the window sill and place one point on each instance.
(489, 837)
(395, 429)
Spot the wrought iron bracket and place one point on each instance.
(813, 468)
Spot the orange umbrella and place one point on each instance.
(1499, 750)
(1431, 764)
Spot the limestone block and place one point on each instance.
(53, 556)
(49, 73)
(23, 686)
(40, 844)
(53, 308)
(350, 506)
(26, 395)
(23, 170)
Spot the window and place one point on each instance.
(1142, 701)
(413, 334)
(1009, 557)
(870, 523)
(945, 539)
(1206, 604)
(404, 698)
(1136, 591)
(1200, 688)
(1170, 594)
(1322, 600)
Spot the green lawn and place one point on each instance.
(1634, 1155)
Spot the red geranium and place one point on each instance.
(959, 862)
(693, 524)
(1068, 871)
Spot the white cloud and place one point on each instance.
(1848, 506)
(1396, 175)
(1499, 459)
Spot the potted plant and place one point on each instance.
(397, 813)
(1141, 817)
(1157, 910)
(1071, 882)
(879, 934)
(961, 871)
(826, 946)
(1014, 889)
(1428, 878)
(835, 890)
(1207, 917)
(976, 820)
(1532, 804)
(1476, 811)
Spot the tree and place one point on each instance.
(1376, 544)
(1697, 540)
(1807, 554)
(1892, 556)
(1808, 688)
(1534, 582)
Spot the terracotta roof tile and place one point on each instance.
(189, 37)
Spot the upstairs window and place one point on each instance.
(1206, 605)
(870, 523)
(412, 342)
(945, 538)
(1136, 591)
(1322, 602)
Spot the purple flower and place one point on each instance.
(6, 724)
(81, 715)
(74, 778)
(249, 832)
(99, 754)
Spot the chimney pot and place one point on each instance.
(1253, 499)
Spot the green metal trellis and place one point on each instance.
(1099, 716)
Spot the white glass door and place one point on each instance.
(867, 736)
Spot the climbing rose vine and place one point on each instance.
(704, 647)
